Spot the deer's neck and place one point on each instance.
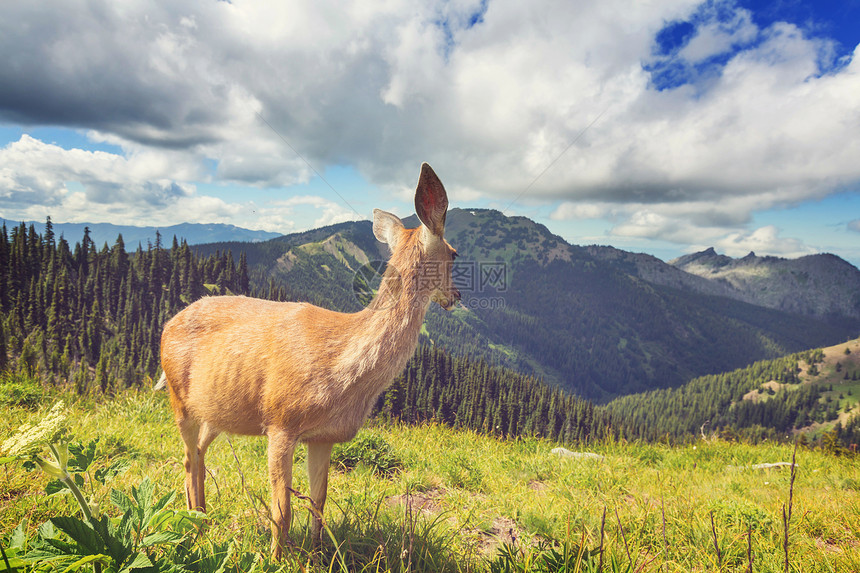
(388, 331)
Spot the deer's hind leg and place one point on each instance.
(206, 435)
(189, 429)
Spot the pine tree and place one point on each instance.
(5, 285)
(244, 282)
(4, 358)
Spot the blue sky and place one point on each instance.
(663, 127)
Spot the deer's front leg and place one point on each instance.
(319, 456)
(281, 447)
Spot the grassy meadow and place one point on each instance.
(430, 498)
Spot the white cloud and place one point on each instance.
(698, 224)
(329, 212)
(763, 241)
(574, 211)
(854, 225)
(491, 102)
(38, 179)
(717, 36)
(33, 169)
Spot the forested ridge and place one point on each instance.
(90, 318)
(470, 393)
(766, 400)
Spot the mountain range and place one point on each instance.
(192, 233)
(596, 321)
(815, 285)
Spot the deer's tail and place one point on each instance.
(162, 383)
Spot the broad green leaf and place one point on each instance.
(47, 530)
(7, 556)
(249, 561)
(14, 562)
(185, 520)
(56, 486)
(215, 560)
(164, 565)
(161, 503)
(161, 520)
(143, 496)
(103, 559)
(126, 525)
(18, 538)
(121, 500)
(89, 542)
(162, 537)
(119, 546)
(139, 561)
(8, 459)
(143, 493)
(59, 547)
(46, 555)
(82, 455)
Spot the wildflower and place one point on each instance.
(30, 439)
(52, 432)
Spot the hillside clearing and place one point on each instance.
(836, 373)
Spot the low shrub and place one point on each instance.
(370, 449)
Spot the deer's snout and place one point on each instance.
(450, 301)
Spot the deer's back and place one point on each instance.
(242, 364)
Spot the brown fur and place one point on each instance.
(297, 372)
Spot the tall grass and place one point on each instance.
(429, 498)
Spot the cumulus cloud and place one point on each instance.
(568, 210)
(330, 212)
(691, 138)
(764, 240)
(39, 179)
(717, 36)
(30, 168)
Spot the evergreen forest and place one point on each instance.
(90, 318)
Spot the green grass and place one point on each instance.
(429, 498)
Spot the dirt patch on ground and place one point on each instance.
(427, 503)
(503, 531)
(14, 493)
(536, 485)
(835, 546)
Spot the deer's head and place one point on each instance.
(422, 256)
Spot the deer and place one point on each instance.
(298, 373)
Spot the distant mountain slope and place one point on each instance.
(815, 285)
(193, 233)
(653, 270)
(811, 391)
(535, 303)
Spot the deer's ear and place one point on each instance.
(431, 201)
(386, 227)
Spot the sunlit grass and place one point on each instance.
(468, 493)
